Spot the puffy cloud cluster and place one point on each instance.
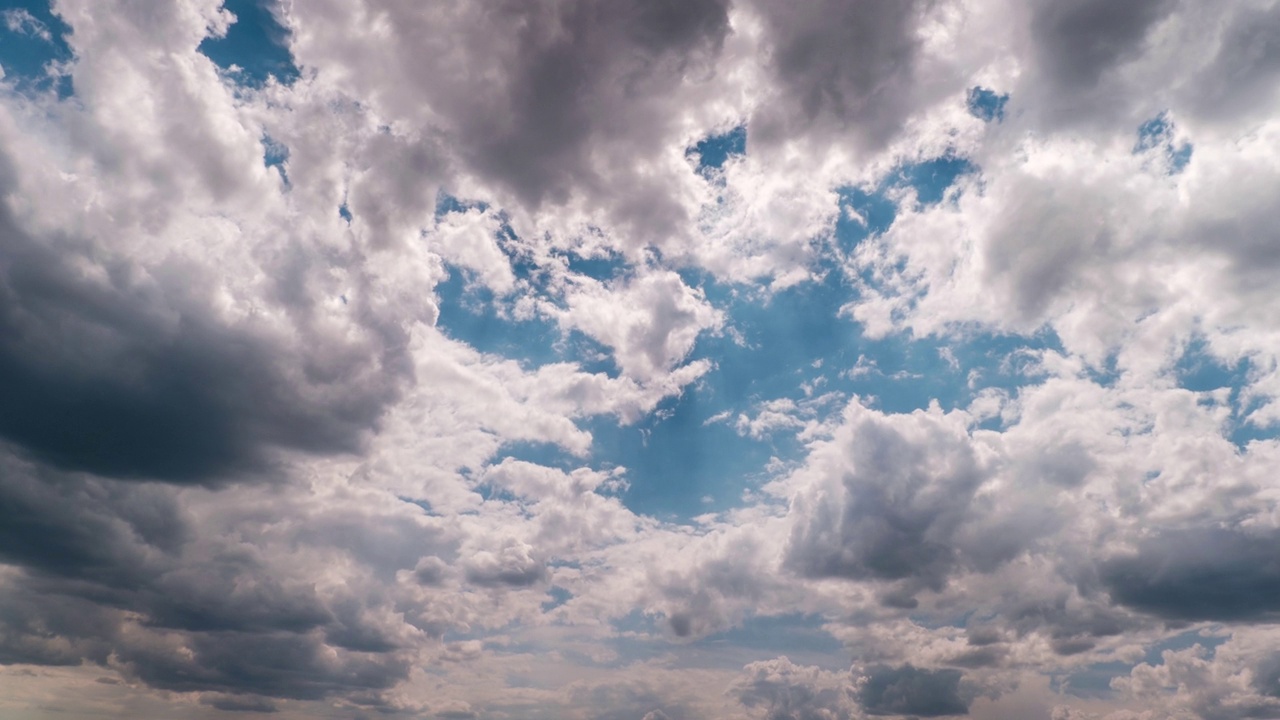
(253, 461)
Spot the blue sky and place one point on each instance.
(639, 361)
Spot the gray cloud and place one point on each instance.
(908, 690)
(1243, 75)
(1077, 41)
(841, 68)
(889, 507)
(1199, 574)
(112, 572)
(194, 494)
(573, 92)
(138, 380)
(1266, 676)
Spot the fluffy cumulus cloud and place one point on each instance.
(649, 360)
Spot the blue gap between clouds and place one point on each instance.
(256, 43)
(796, 337)
(714, 151)
(1094, 681)
(471, 313)
(1199, 371)
(26, 55)
(802, 638)
(275, 155)
(1156, 135)
(678, 464)
(557, 597)
(986, 104)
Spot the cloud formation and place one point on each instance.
(673, 360)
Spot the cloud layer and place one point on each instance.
(657, 360)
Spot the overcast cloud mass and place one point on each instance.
(640, 359)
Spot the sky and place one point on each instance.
(640, 359)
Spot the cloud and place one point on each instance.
(511, 566)
(908, 690)
(253, 460)
(651, 323)
(1198, 574)
(840, 70)
(239, 704)
(786, 691)
(887, 496)
(1077, 42)
(575, 91)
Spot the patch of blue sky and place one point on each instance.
(256, 46)
(802, 638)
(471, 313)
(867, 211)
(689, 457)
(1094, 680)
(275, 155)
(986, 104)
(33, 48)
(422, 504)
(1157, 135)
(714, 151)
(678, 466)
(1241, 433)
(795, 345)
(863, 213)
(556, 596)
(1198, 370)
(932, 178)
(602, 268)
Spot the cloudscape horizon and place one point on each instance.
(640, 359)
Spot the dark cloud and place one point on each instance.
(1072, 623)
(131, 376)
(908, 690)
(572, 92)
(568, 58)
(37, 628)
(281, 665)
(102, 569)
(978, 658)
(1078, 41)
(1266, 676)
(1244, 74)
(841, 67)
(430, 571)
(1200, 574)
